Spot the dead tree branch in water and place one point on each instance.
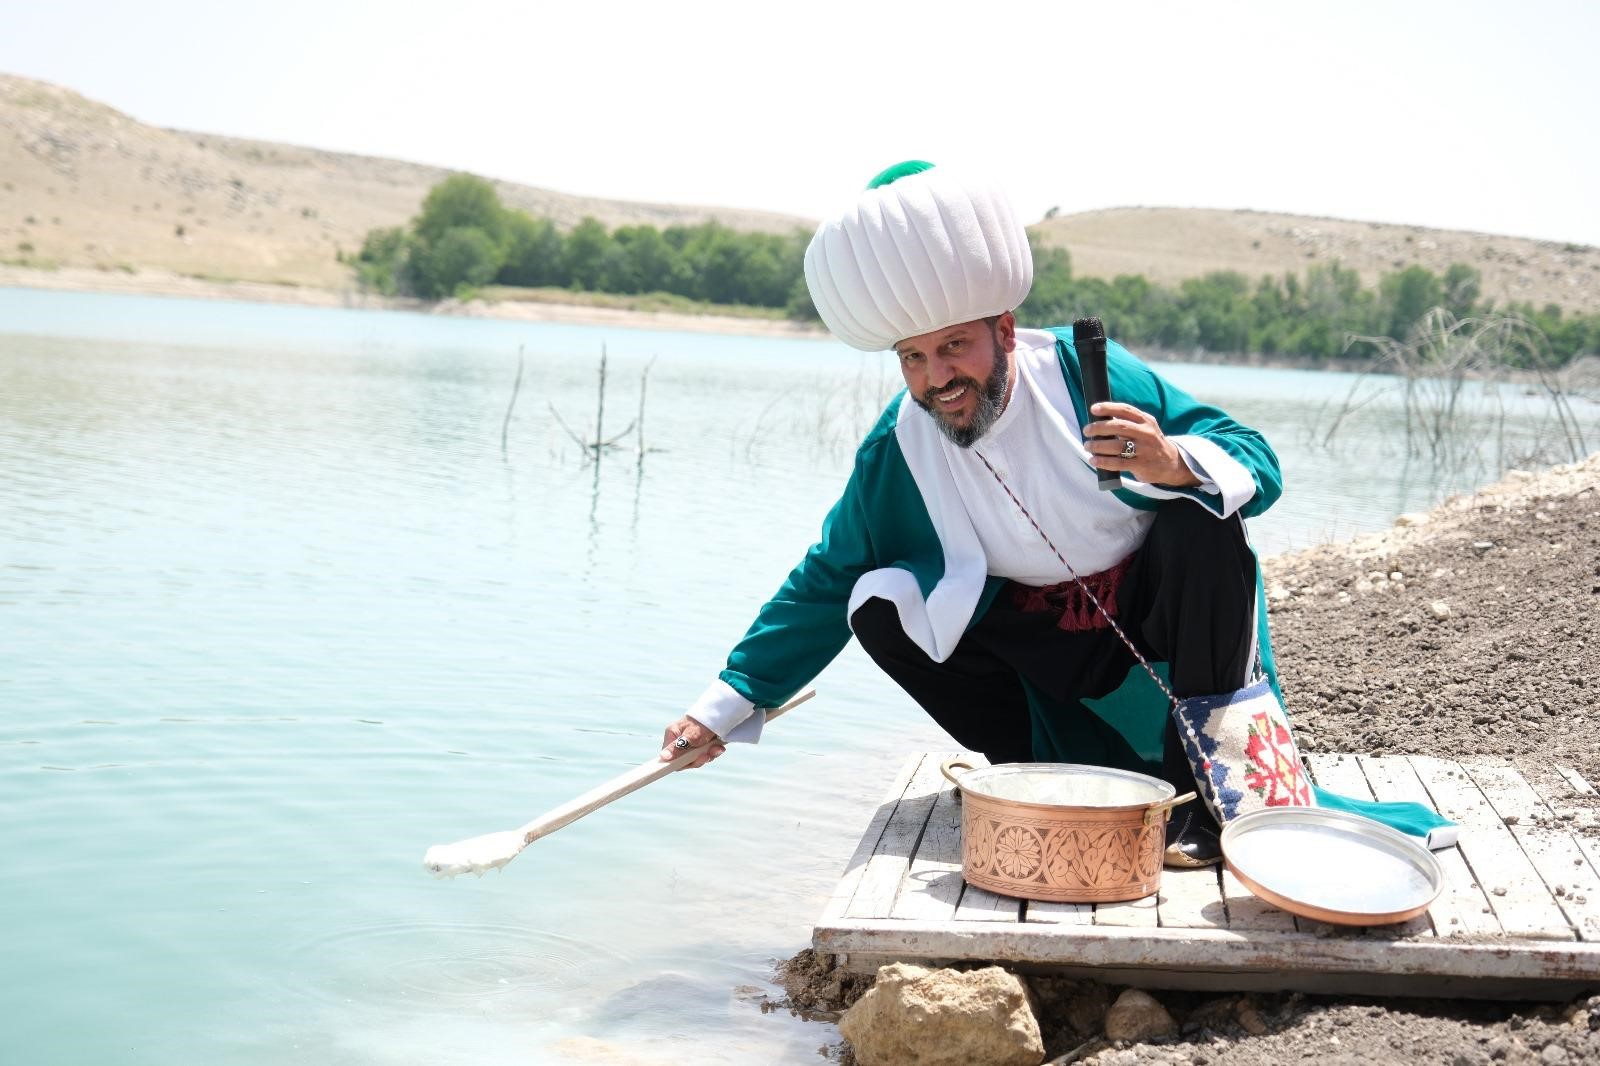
(600, 443)
(1456, 380)
(505, 427)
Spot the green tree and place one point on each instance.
(381, 261)
(463, 257)
(1405, 297)
(584, 255)
(533, 252)
(1462, 287)
(458, 202)
(649, 263)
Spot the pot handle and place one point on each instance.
(1151, 813)
(954, 764)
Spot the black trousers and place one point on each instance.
(1188, 599)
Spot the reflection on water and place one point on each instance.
(279, 614)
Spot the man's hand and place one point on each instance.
(701, 739)
(1156, 460)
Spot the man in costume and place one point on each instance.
(974, 500)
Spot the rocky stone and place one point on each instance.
(1137, 1016)
(1250, 1019)
(914, 1015)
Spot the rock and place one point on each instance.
(1138, 1016)
(1553, 1055)
(1439, 609)
(914, 1015)
(1250, 1019)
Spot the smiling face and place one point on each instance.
(961, 374)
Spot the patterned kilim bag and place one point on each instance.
(1242, 752)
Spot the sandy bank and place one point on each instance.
(163, 283)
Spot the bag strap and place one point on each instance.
(1162, 685)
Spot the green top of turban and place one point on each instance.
(898, 171)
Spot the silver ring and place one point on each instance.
(1129, 449)
(681, 743)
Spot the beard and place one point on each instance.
(991, 401)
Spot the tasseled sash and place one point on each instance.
(1070, 602)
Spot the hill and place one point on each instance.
(83, 185)
(1168, 244)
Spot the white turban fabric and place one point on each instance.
(920, 250)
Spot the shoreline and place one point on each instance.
(163, 283)
(166, 283)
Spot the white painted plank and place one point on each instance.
(880, 881)
(1225, 954)
(932, 885)
(1343, 773)
(1551, 847)
(1137, 913)
(1247, 912)
(1058, 913)
(845, 890)
(1462, 908)
(1515, 890)
(1192, 899)
(980, 905)
(1579, 784)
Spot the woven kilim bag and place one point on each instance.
(1242, 752)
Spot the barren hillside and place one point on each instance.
(83, 185)
(1168, 244)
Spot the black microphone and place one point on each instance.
(1089, 338)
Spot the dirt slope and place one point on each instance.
(84, 185)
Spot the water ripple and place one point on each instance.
(442, 965)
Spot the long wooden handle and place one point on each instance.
(623, 784)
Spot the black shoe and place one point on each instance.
(1191, 841)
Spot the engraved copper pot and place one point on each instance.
(1062, 832)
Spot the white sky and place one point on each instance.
(1464, 115)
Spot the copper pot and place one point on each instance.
(1062, 832)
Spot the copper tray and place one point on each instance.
(1331, 866)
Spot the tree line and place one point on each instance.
(464, 239)
(1314, 316)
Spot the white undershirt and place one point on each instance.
(1092, 528)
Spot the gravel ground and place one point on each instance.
(1469, 631)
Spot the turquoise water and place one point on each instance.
(278, 614)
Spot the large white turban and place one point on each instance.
(920, 250)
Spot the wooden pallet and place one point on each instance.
(1519, 916)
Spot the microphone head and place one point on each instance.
(1087, 330)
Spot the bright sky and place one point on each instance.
(1464, 114)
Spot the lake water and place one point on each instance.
(278, 614)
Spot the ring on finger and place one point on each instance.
(1130, 450)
